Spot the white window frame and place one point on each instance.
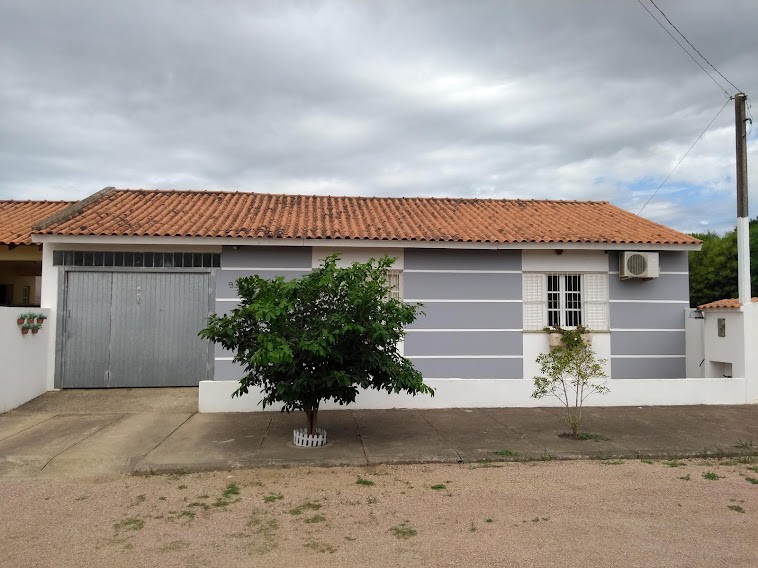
(593, 291)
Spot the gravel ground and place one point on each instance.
(577, 513)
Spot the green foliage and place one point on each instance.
(319, 337)
(713, 269)
(570, 373)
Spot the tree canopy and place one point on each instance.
(713, 269)
(319, 337)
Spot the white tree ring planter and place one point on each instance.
(301, 438)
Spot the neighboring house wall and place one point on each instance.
(647, 320)
(24, 359)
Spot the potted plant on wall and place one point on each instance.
(41, 318)
(20, 319)
(25, 328)
(35, 327)
(559, 337)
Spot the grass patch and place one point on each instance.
(505, 453)
(182, 487)
(362, 481)
(752, 480)
(307, 506)
(403, 531)
(711, 476)
(736, 508)
(647, 461)
(674, 463)
(594, 436)
(203, 506)
(272, 497)
(174, 545)
(231, 489)
(685, 477)
(438, 487)
(314, 544)
(130, 524)
(315, 519)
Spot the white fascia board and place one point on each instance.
(346, 243)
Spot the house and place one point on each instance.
(20, 260)
(131, 275)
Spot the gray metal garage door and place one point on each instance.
(134, 329)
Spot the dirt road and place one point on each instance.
(577, 513)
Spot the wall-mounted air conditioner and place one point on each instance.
(638, 265)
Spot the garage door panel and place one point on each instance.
(155, 318)
(87, 321)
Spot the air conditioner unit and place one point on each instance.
(638, 265)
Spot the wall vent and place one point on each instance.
(638, 265)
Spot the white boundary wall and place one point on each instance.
(215, 396)
(23, 359)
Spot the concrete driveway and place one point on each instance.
(78, 433)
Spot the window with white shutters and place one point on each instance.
(394, 281)
(566, 300)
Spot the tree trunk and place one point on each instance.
(311, 416)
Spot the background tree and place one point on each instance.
(713, 269)
(320, 337)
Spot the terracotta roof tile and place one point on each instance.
(728, 304)
(17, 218)
(127, 212)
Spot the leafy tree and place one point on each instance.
(320, 337)
(713, 269)
(569, 373)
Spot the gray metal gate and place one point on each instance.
(134, 329)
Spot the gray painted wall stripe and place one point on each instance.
(650, 316)
(464, 356)
(649, 302)
(457, 259)
(459, 301)
(461, 271)
(455, 345)
(647, 368)
(471, 368)
(647, 356)
(266, 269)
(482, 315)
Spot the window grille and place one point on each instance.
(137, 259)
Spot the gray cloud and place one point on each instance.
(579, 100)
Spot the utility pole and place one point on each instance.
(743, 222)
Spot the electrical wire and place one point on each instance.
(685, 155)
(695, 48)
(665, 29)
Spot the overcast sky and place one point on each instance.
(509, 99)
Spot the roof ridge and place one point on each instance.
(362, 197)
(72, 210)
(36, 201)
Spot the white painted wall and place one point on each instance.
(23, 359)
(729, 350)
(215, 396)
(350, 255)
(750, 314)
(694, 332)
(567, 261)
(537, 342)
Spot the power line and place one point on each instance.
(695, 48)
(665, 29)
(685, 155)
